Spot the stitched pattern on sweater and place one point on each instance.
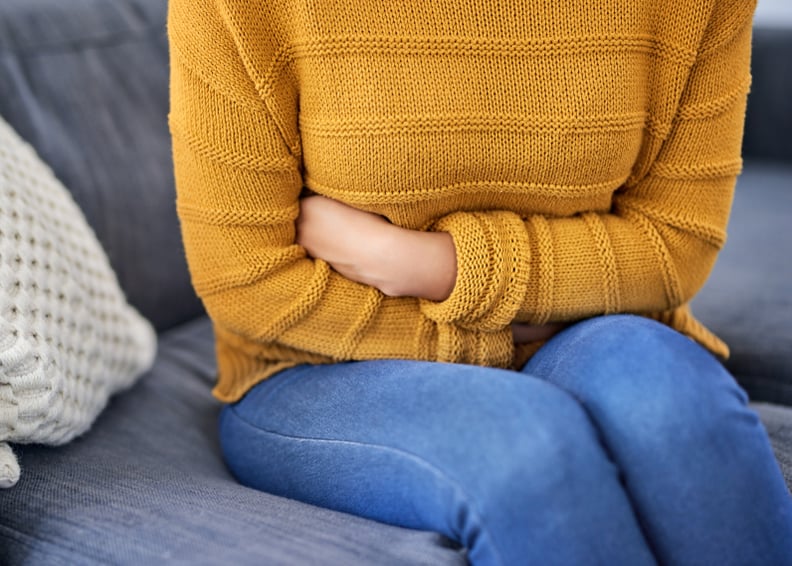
(364, 196)
(211, 285)
(484, 47)
(348, 343)
(300, 308)
(736, 18)
(668, 267)
(544, 251)
(229, 217)
(688, 172)
(610, 279)
(712, 234)
(716, 106)
(424, 123)
(259, 163)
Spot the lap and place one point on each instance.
(601, 424)
(625, 371)
(406, 404)
(620, 370)
(488, 457)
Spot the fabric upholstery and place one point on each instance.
(769, 118)
(147, 485)
(68, 338)
(778, 422)
(748, 298)
(86, 83)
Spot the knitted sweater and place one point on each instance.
(582, 158)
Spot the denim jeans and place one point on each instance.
(620, 442)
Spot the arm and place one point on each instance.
(654, 249)
(651, 252)
(408, 263)
(238, 183)
(366, 248)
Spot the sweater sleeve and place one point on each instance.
(654, 249)
(238, 181)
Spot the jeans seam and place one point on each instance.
(404, 453)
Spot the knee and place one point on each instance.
(648, 379)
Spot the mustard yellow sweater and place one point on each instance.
(583, 158)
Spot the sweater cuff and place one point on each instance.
(492, 270)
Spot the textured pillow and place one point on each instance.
(68, 338)
(109, 144)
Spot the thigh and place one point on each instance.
(433, 415)
(696, 459)
(501, 462)
(637, 376)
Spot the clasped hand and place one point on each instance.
(366, 248)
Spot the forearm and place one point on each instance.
(650, 250)
(418, 264)
(367, 249)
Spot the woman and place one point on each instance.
(423, 231)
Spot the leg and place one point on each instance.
(507, 465)
(697, 462)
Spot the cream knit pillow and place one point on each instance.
(68, 338)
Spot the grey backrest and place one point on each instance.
(86, 83)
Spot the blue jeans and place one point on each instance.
(620, 442)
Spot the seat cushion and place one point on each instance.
(778, 422)
(147, 485)
(86, 83)
(748, 298)
(68, 338)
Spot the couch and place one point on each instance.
(86, 83)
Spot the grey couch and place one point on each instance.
(85, 82)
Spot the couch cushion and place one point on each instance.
(769, 117)
(748, 298)
(147, 484)
(86, 83)
(778, 422)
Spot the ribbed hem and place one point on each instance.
(243, 364)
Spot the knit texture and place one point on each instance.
(68, 339)
(583, 160)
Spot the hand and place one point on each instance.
(522, 333)
(345, 237)
(366, 248)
